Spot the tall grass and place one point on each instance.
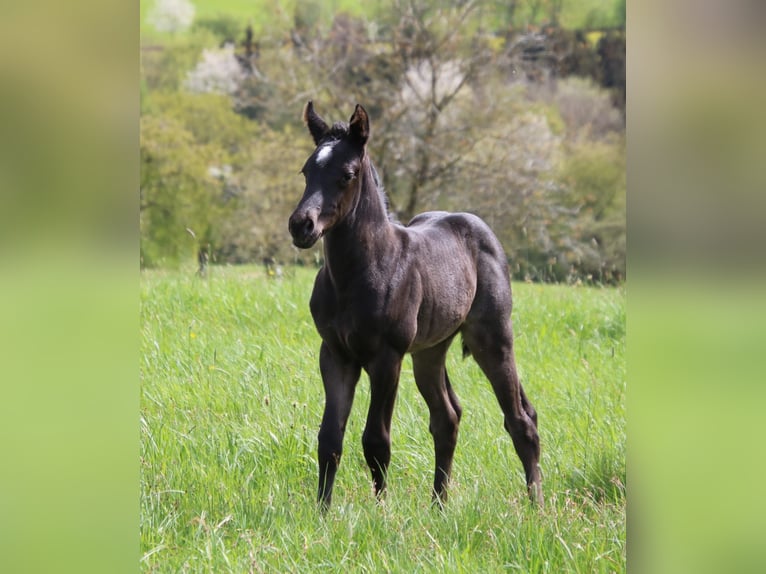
(231, 400)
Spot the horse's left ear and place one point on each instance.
(359, 125)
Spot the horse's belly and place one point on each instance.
(440, 319)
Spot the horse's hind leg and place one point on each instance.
(492, 347)
(530, 410)
(444, 408)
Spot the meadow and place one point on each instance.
(231, 400)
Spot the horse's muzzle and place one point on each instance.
(304, 229)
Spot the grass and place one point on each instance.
(231, 401)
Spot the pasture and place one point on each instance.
(231, 401)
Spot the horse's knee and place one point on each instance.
(444, 429)
(377, 447)
(330, 447)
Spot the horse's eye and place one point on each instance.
(347, 177)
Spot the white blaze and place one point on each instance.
(324, 153)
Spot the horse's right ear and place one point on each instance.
(359, 125)
(316, 125)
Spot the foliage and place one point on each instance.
(193, 148)
(226, 27)
(461, 120)
(231, 399)
(165, 66)
(595, 177)
(217, 72)
(171, 15)
(269, 186)
(520, 200)
(585, 109)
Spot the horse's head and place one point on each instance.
(332, 175)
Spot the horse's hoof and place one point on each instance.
(535, 491)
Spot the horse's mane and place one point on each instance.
(382, 192)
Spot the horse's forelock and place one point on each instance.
(338, 131)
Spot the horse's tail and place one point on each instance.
(466, 350)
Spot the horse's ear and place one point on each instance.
(359, 125)
(316, 125)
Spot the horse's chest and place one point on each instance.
(361, 326)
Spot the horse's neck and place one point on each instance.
(363, 238)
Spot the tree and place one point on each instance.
(594, 174)
(171, 15)
(454, 127)
(193, 149)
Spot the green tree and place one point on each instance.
(193, 149)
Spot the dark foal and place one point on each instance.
(386, 290)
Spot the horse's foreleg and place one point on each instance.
(376, 440)
(339, 378)
(444, 408)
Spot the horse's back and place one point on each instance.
(457, 221)
(469, 229)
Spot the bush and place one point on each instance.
(594, 175)
(193, 151)
(225, 28)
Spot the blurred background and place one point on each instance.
(512, 110)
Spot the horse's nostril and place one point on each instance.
(294, 225)
(301, 227)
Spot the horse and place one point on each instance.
(386, 290)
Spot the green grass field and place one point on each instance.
(231, 400)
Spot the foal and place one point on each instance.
(386, 290)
